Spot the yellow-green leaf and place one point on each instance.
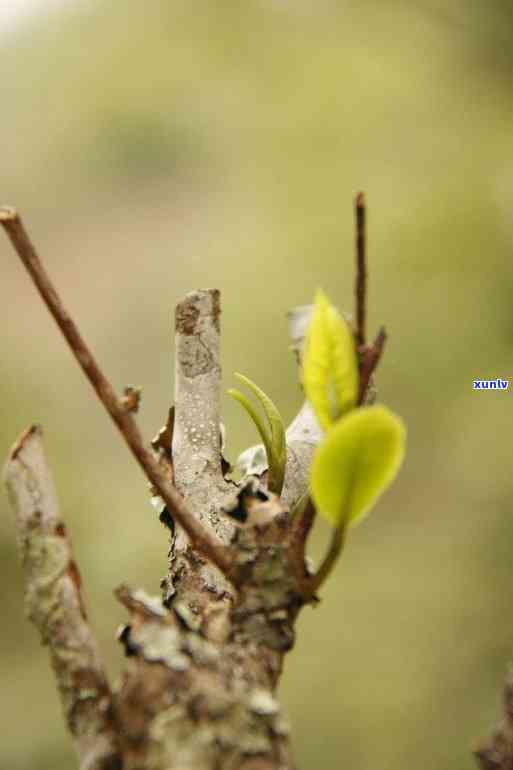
(357, 460)
(330, 368)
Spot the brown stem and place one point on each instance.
(361, 270)
(371, 358)
(200, 537)
(303, 521)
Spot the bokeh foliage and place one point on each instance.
(161, 146)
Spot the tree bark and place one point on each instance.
(203, 662)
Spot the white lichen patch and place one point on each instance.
(151, 603)
(261, 702)
(162, 643)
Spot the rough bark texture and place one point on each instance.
(200, 694)
(203, 662)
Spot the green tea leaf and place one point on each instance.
(273, 435)
(358, 459)
(330, 369)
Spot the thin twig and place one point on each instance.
(54, 603)
(200, 537)
(371, 358)
(361, 270)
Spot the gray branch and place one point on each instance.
(303, 433)
(54, 603)
(196, 442)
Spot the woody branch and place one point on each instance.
(55, 604)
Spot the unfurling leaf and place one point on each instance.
(358, 459)
(330, 369)
(272, 434)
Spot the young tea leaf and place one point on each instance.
(272, 414)
(358, 459)
(330, 370)
(250, 409)
(273, 435)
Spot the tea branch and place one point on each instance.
(199, 536)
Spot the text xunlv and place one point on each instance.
(491, 384)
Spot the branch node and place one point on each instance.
(131, 398)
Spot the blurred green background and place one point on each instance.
(162, 146)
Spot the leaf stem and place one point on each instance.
(338, 540)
